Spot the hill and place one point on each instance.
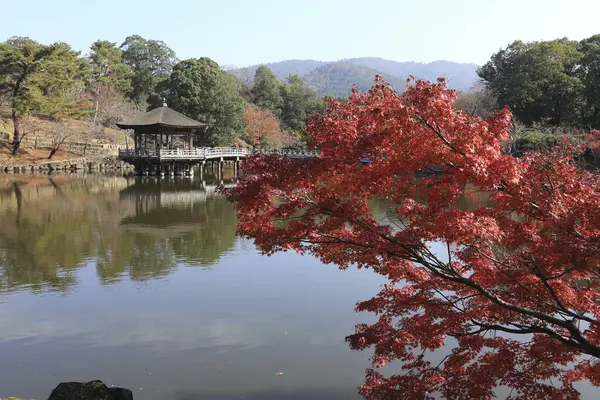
(337, 79)
(339, 76)
(281, 69)
(460, 76)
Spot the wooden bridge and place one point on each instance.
(181, 161)
(206, 153)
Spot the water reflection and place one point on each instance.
(146, 281)
(135, 227)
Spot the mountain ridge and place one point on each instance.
(338, 77)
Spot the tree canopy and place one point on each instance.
(107, 67)
(149, 62)
(539, 81)
(589, 73)
(478, 298)
(200, 89)
(265, 90)
(299, 103)
(20, 59)
(58, 87)
(262, 129)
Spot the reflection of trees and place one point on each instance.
(51, 228)
(45, 235)
(215, 236)
(131, 254)
(136, 228)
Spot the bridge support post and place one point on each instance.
(236, 168)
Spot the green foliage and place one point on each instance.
(265, 91)
(299, 103)
(537, 80)
(107, 67)
(200, 89)
(533, 140)
(58, 86)
(149, 62)
(589, 73)
(20, 59)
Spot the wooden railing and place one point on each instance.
(204, 153)
(292, 153)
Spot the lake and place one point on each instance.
(143, 283)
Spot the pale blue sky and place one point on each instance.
(245, 32)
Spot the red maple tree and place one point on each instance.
(513, 299)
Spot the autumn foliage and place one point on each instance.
(504, 295)
(261, 127)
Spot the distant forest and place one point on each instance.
(550, 86)
(337, 78)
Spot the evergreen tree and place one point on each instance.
(265, 91)
(200, 89)
(20, 58)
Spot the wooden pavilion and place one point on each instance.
(163, 128)
(163, 142)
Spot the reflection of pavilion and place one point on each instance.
(149, 194)
(185, 216)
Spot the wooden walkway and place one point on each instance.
(200, 154)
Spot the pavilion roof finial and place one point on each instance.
(164, 102)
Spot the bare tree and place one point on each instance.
(31, 127)
(59, 133)
(245, 78)
(477, 101)
(113, 107)
(93, 131)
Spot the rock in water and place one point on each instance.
(93, 390)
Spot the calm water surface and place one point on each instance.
(143, 283)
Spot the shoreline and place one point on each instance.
(81, 164)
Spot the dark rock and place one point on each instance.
(93, 390)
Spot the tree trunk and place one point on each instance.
(16, 133)
(52, 153)
(19, 197)
(15, 116)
